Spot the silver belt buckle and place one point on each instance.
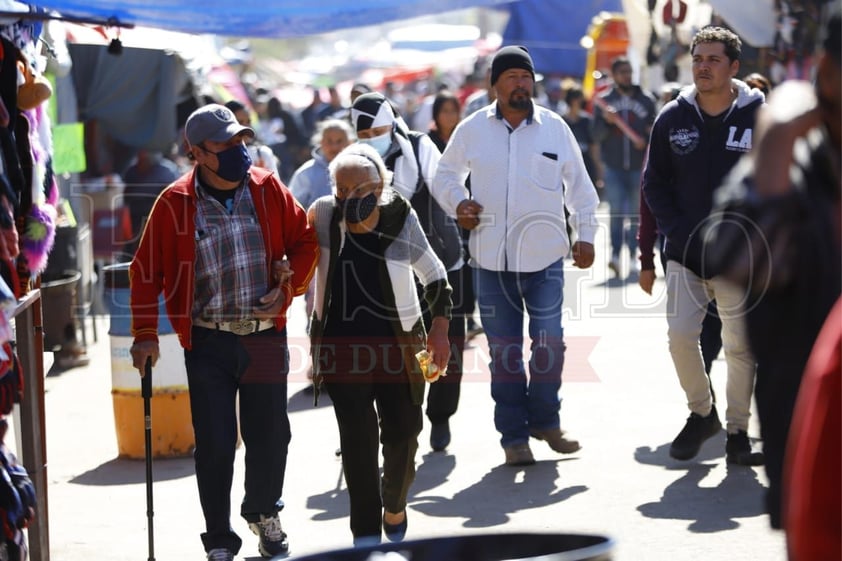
(244, 327)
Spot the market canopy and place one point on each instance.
(552, 31)
(255, 18)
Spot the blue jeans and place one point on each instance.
(622, 190)
(521, 404)
(219, 366)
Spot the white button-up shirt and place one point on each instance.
(523, 179)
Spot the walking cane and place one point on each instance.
(146, 392)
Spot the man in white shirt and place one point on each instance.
(525, 167)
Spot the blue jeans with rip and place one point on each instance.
(221, 366)
(523, 402)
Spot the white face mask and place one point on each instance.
(380, 143)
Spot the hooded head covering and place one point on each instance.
(371, 110)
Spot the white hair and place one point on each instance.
(360, 155)
(332, 124)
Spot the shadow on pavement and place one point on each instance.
(333, 503)
(710, 509)
(434, 469)
(302, 400)
(124, 472)
(612, 282)
(489, 502)
(713, 449)
(502, 491)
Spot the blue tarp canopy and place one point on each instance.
(255, 18)
(551, 30)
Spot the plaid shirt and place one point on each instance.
(230, 263)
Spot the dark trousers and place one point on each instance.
(710, 339)
(355, 393)
(443, 395)
(219, 366)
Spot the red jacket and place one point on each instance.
(164, 260)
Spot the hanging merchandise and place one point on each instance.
(28, 159)
(17, 503)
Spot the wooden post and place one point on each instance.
(33, 448)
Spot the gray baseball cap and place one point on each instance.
(213, 122)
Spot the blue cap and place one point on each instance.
(213, 122)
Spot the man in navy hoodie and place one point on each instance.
(695, 142)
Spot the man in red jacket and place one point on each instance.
(229, 247)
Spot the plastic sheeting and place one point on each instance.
(552, 29)
(256, 18)
(125, 94)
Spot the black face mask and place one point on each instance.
(355, 211)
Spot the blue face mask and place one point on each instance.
(234, 163)
(356, 210)
(380, 143)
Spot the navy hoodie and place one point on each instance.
(688, 160)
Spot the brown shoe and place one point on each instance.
(557, 441)
(519, 455)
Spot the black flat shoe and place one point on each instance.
(439, 436)
(395, 532)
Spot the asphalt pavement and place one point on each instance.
(621, 398)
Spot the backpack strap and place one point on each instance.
(441, 230)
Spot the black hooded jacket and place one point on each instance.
(689, 158)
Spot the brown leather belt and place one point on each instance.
(239, 327)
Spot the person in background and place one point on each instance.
(696, 141)
(309, 116)
(443, 398)
(581, 123)
(359, 89)
(367, 328)
(333, 109)
(280, 131)
(144, 180)
(444, 123)
(623, 116)
(312, 179)
(422, 119)
(412, 157)
(261, 155)
(788, 191)
(481, 97)
(229, 247)
(759, 81)
(526, 168)
(553, 97)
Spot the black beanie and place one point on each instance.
(513, 56)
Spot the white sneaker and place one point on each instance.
(220, 554)
(273, 540)
(614, 267)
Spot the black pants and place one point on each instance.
(354, 397)
(443, 395)
(219, 366)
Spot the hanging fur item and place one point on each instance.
(39, 225)
(33, 89)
